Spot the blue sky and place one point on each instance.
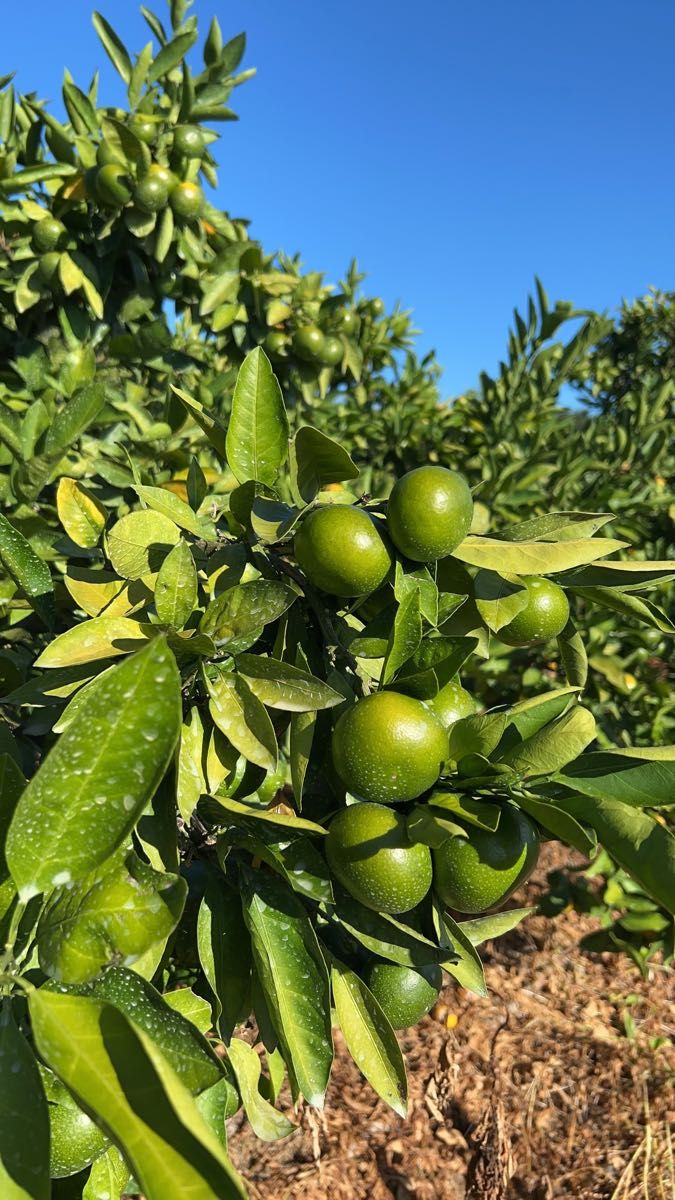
(455, 148)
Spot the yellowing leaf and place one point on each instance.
(102, 637)
(80, 513)
(139, 542)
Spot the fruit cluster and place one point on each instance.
(391, 748)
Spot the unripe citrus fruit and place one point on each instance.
(369, 852)
(332, 352)
(451, 703)
(48, 267)
(189, 141)
(341, 551)
(186, 200)
(405, 994)
(429, 513)
(482, 869)
(544, 616)
(112, 186)
(275, 342)
(106, 154)
(376, 307)
(389, 747)
(47, 234)
(151, 194)
(75, 1140)
(308, 342)
(159, 171)
(348, 321)
(144, 128)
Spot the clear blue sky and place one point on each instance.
(455, 147)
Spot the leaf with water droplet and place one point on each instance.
(90, 790)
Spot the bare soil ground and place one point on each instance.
(535, 1093)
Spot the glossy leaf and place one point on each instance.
(643, 778)
(640, 844)
(139, 542)
(107, 1177)
(573, 655)
(83, 517)
(498, 598)
(279, 685)
(241, 612)
(224, 947)
(113, 916)
(191, 778)
(176, 587)
(557, 527)
(169, 505)
(483, 929)
(211, 426)
(121, 1077)
(386, 937)
(266, 1122)
(257, 435)
(24, 1119)
(317, 461)
(101, 637)
(113, 47)
(83, 801)
(27, 570)
(480, 733)
(468, 969)
(533, 558)
(243, 719)
(557, 743)
(294, 979)
(405, 636)
(370, 1038)
(558, 822)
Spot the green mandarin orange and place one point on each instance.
(370, 854)
(112, 185)
(187, 200)
(429, 513)
(389, 748)
(332, 352)
(405, 994)
(189, 141)
(47, 234)
(308, 342)
(151, 194)
(451, 703)
(544, 616)
(341, 551)
(479, 871)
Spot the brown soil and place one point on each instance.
(535, 1093)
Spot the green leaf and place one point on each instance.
(266, 1122)
(529, 716)
(240, 613)
(631, 575)
(27, 570)
(224, 947)
(641, 778)
(257, 436)
(120, 1077)
(405, 636)
(84, 800)
(483, 929)
(111, 916)
(211, 426)
(317, 461)
(641, 845)
(385, 936)
(100, 637)
(628, 604)
(139, 542)
(294, 978)
(80, 513)
(557, 527)
(533, 558)
(558, 822)
(185, 1049)
(74, 418)
(243, 719)
(476, 812)
(498, 598)
(80, 109)
(573, 655)
(171, 55)
(468, 970)
(191, 778)
(280, 823)
(194, 1008)
(551, 747)
(24, 1119)
(480, 733)
(279, 685)
(171, 506)
(176, 587)
(370, 1038)
(113, 47)
(107, 1177)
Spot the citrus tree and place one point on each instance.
(245, 795)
